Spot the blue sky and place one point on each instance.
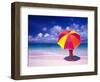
(45, 29)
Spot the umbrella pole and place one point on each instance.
(71, 54)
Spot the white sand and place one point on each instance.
(55, 58)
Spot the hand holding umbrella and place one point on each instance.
(69, 39)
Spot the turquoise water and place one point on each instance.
(82, 49)
(51, 45)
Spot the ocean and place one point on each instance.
(51, 45)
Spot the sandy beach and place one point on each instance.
(55, 57)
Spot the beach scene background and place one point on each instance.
(43, 32)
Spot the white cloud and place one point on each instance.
(56, 30)
(46, 35)
(30, 38)
(78, 30)
(40, 35)
(53, 33)
(67, 28)
(44, 38)
(73, 26)
(83, 28)
(44, 29)
(76, 26)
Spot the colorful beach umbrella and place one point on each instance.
(69, 39)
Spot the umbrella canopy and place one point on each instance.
(69, 39)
